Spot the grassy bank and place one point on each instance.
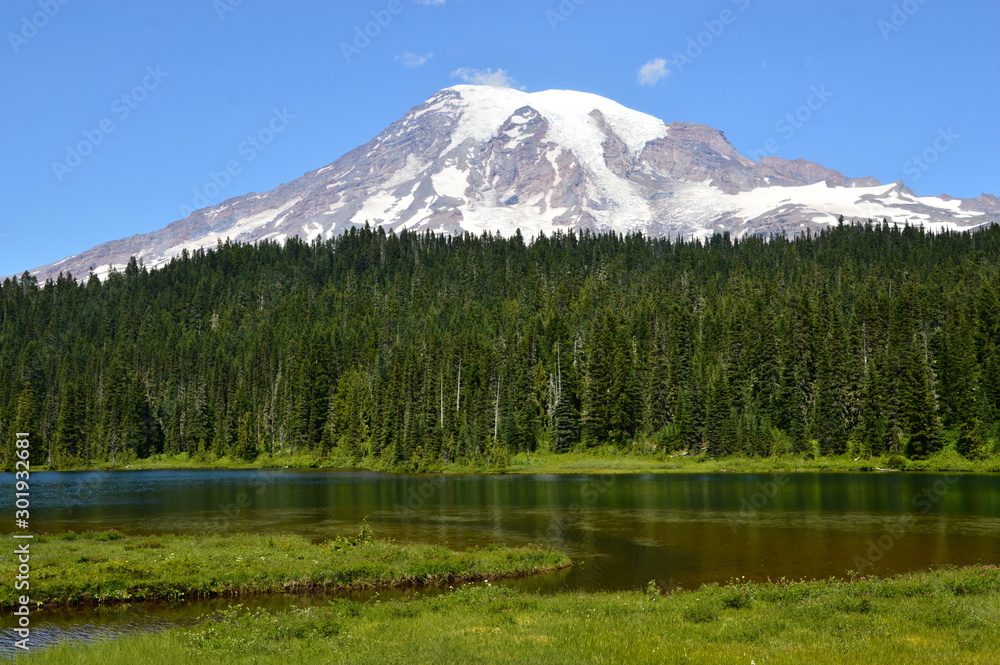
(946, 616)
(107, 566)
(608, 462)
(593, 461)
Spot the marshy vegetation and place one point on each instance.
(105, 567)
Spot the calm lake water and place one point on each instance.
(622, 531)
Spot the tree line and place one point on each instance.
(414, 350)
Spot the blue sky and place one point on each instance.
(161, 95)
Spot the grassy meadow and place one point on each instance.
(945, 616)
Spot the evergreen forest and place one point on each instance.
(419, 350)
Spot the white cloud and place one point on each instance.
(413, 60)
(653, 72)
(499, 78)
(430, 2)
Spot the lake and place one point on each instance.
(681, 530)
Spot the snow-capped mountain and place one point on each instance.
(481, 158)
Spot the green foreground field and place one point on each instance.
(945, 616)
(107, 567)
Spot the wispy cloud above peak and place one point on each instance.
(414, 60)
(499, 78)
(653, 72)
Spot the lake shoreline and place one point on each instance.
(575, 463)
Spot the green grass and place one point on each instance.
(188, 461)
(597, 461)
(947, 616)
(600, 462)
(107, 566)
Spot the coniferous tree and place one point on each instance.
(68, 442)
(919, 410)
(567, 416)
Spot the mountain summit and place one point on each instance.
(481, 158)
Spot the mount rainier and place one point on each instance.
(485, 159)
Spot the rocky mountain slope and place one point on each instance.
(479, 158)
